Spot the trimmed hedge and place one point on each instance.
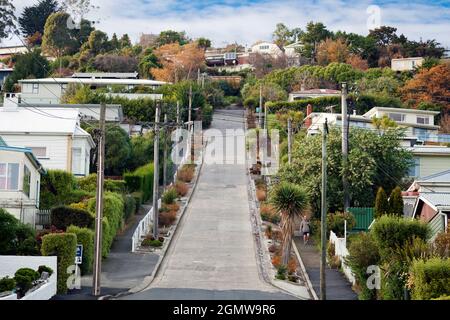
(138, 198)
(129, 207)
(430, 279)
(63, 245)
(64, 216)
(141, 180)
(363, 104)
(89, 184)
(85, 237)
(56, 187)
(24, 278)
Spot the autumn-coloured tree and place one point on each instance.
(178, 62)
(431, 85)
(332, 51)
(357, 62)
(265, 63)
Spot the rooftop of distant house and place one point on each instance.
(94, 81)
(106, 75)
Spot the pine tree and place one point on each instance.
(381, 203)
(396, 202)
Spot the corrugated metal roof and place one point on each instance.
(95, 81)
(430, 150)
(38, 120)
(110, 75)
(438, 199)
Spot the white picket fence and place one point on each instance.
(340, 248)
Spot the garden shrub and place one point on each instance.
(16, 238)
(268, 213)
(138, 198)
(170, 196)
(151, 243)
(430, 279)
(43, 268)
(181, 188)
(186, 173)
(64, 216)
(281, 272)
(441, 244)
(24, 278)
(7, 284)
(363, 252)
(56, 187)
(118, 186)
(62, 245)
(167, 218)
(129, 207)
(89, 184)
(85, 237)
(335, 222)
(141, 180)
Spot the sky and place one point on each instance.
(247, 21)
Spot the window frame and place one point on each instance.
(426, 120)
(392, 114)
(7, 176)
(26, 173)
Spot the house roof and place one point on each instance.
(28, 153)
(91, 81)
(318, 91)
(110, 75)
(401, 110)
(438, 200)
(114, 112)
(430, 150)
(443, 176)
(58, 121)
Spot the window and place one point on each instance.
(420, 133)
(414, 170)
(265, 47)
(77, 161)
(9, 176)
(26, 181)
(35, 89)
(423, 120)
(397, 117)
(39, 152)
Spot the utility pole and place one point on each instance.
(156, 173)
(265, 117)
(323, 216)
(99, 205)
(289, 127)
(345, 144)
(178, 113)
(190, 126)
(260, 105)
(166, 133)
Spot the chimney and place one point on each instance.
(309, 110)
(11, 102)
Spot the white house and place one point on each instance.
(20, 176)
(53, 134)
(264, 47)
(88, 112)
(429, 160)
(406, 64)
(312, 93)
(50, 90)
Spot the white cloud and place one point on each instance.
(248, 23)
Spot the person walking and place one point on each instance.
(305, 229)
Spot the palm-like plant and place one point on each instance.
(290, 200)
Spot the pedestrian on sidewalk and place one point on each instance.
(305, 229)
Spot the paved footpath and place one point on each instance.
(213, 252)
(337, 286)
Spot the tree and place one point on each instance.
(383, 123)
(98, 42)
(29, 65)
(332, 51)
(396, 202)
(170, 36)
(282, 35)
(357, 62)
(203, 43)
(33, 18)
(148, 62)
(115, 63)
(125, 41)
(114, 43)
(264, 63)
(384, 35)
(430, 85)
(290, 201)
(381, 203)
(7, 18)
(315, 33)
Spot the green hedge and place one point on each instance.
(138, 198)
(129, 207)
(363, 103)
(113, 213)
(431, 278)
(85, 237)
(89, 184)
(63, 216)
(63, 245)
(141, 179)
(56, 188)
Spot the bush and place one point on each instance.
(261, 195)
(129, 207)
(391, 232)
(64, 216)
(141, 180)
(16, 238)
(63, 245)
(118, 186)
(430, 279)
(181, 188)
(335, 222)
(381, 203)
(56, 188)
(268, 213)
(441, 244)
(281, 272)
(186, 173)
(43, 268)
(7, 284)
(85, 237)
(396, 202)
(138, 197)
(167, 218)
(24, 278)
(170, 196)
(151, 243)
(363, 252)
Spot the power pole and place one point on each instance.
(345, 144)
(166, 132)
(323, 218)
(265, 117)
(260, 105)
(99, 205)
(156, 173)
(289, 127)
(178, 113)
(190, 126)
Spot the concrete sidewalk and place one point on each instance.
(337, 286)
(122, 269)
